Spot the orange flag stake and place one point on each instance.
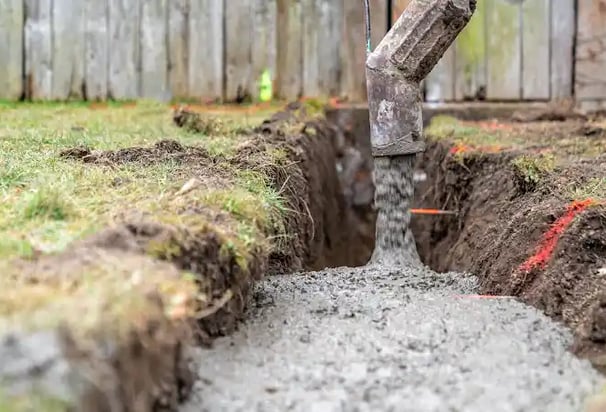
(432, 212)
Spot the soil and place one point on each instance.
(325, 228)
(163, 151)
(526, 240)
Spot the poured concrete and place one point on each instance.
(386, 339)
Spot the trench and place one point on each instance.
(500, 225)
(292, 333)
(378, 336)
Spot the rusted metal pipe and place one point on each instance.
(395, 69)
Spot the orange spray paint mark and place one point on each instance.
(550, 239)
(463, 148)
(460, 148)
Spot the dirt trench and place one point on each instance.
(531, 243)
(145, 366)
(540, 237)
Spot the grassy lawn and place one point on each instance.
(47, 202)
(543, 150)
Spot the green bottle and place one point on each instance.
(265, 87)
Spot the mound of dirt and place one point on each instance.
(524, 226)
(164, 254)
(163, 151)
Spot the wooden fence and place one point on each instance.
(217, 49)
(204, 49)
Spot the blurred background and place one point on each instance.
(227, 51)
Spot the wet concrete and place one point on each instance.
(394, 241)
(380, 339)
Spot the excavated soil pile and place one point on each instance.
(177, 274)
(531, 217)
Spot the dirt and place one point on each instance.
(163, 151)
(147, 367)
(523, 232)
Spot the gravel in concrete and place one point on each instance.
(377, 339)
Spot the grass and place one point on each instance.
(564, 140)
(48, 202)
(531, 170)
(32, 403)
(444, 127)
(541, 148)
(594, 189)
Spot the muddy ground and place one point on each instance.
(528, 190)
(141, 366)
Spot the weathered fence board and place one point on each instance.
(331, 20)
(535, 49)
(238, 49)
(11, 49)
(124, 49)
(321, 47)
(39, 48)
(562, 47)
(470, 71)
(289, 77)
(311, 47)
(68, 49)
(96, 44)
(178, 47)
(206, 45)
(154, 52)
(378, 19)
(503, 54)
(440, 82)
(353, 52)
(590, 81)
(263, 41)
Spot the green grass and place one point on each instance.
(533, 169)
(33, 402)
(449, 128)
(47, 202)
(594, 189)
(564, 140)
(540, 148)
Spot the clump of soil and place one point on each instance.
(196, 123)
(163, 151)
(525, 227)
